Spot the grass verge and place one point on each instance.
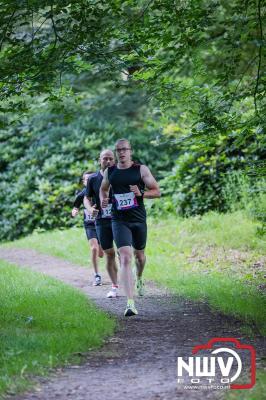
(217, 259)
(43, 324)
(256, 393)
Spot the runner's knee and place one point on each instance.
(140, 257)
(125, 256)
(101, 253)
(110, 253)
(94, 245)
(94, 249)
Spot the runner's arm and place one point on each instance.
(74, 212)
(91, 209)
(150, 183)
(77, 203)
(87, 201)
(79, 199)
(104, 190)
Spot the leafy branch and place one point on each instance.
(259, 56)
(6, 28)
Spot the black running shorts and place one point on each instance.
(130, 234)
(105, 233)
(91, 231)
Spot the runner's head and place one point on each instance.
(85, 177)
(123, 150)
(106, 159)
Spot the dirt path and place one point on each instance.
(139, 362)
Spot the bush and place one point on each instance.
(43, 157)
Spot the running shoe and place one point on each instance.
(97, 280)
(112, 293)
(130, 309)
(140, 287)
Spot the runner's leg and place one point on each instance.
(139, 239)
(94, 246)
(126, 271)
(123, 239)
(101, 252)
(94, 254)
(105, 236)
(111, 265)
(140, 260)
(95, 261)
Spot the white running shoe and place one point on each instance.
(112, 293)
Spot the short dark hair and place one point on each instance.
(87, 173)
(83, 174)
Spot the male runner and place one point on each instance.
(89, 225)
(128, 181)
(103, 217)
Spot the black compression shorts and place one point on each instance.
(90, 231)
(105, 233)
(130, 234)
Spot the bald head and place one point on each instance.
(106, 159)
(106, 151)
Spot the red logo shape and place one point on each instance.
(238, 345)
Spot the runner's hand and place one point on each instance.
(105, 202)
(135, 190)
(74, 212)
(94, 211)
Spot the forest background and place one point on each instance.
(183, 80)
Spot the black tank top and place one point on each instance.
(126, 206)
(93, 191)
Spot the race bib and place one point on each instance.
(88, 217)
(125, 201)
(107, 211)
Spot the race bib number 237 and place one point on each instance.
(125, 201)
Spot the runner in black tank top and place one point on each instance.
(128, 181)
(127, 206)
(90, 229)
(103, 218)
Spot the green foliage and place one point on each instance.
(204, 170)
(44, 155)
(220, 45)
(198, 64)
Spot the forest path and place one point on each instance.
(140, 361)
